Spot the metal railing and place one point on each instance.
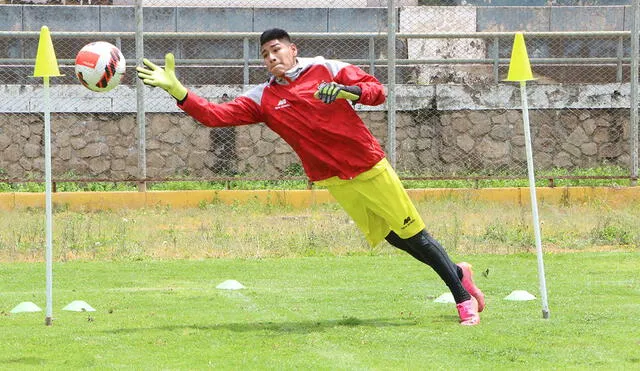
(372, 62)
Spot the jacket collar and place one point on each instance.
(301, 65)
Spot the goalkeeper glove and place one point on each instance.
(164, 78)
(328, 92)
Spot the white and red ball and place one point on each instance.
(100, 66)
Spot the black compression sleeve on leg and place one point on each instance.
(402, 244)
(426, 249)
(396, 241)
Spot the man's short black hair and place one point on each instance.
(274, 34)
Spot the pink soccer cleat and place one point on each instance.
(467, 283)
(468, 312)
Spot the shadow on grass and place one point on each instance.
(301, 327)
(22, 361)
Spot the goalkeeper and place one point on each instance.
(308, 102)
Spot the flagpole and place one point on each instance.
(47, 66)
(520, 71)
(534, 199)
(48, 204)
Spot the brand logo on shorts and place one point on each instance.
(407, 222)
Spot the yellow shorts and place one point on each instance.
(377, 202)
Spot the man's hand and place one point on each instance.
(166, 79)
(329, 92)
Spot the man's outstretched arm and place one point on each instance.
(240, 111)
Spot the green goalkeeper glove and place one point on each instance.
(328, 92)
(164, 78)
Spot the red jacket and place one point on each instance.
(330, 139)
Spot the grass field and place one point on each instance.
(359, 312)
(317, 296)
(256, 230)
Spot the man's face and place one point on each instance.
(279, 56)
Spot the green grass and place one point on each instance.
(326, 313)
(601, 174)
(255, 230)
(317, 296)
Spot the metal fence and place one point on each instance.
(449, 114)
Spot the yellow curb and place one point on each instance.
(607, 196)
(79, 201)
(307, 198)
(7, 201)
(26, 200)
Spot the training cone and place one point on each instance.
(230, 285)
(520, 295)
(46, 62)
(519, 66)
(79, 306)
(26, 307)
(446, 298)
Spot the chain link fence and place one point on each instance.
(450, 115)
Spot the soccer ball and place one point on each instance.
(100, 66)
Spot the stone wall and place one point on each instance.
(429, 141)
(492, 141)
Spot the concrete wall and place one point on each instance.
(269, 4)
(555, 18)
(538, 2)
(334, 3)
(324, 19)
(459, 20)
(321, 18)
(188, 19)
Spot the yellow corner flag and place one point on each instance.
(46, 62)
(519, 66)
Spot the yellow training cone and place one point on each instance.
(519, 67)
(46, 62)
